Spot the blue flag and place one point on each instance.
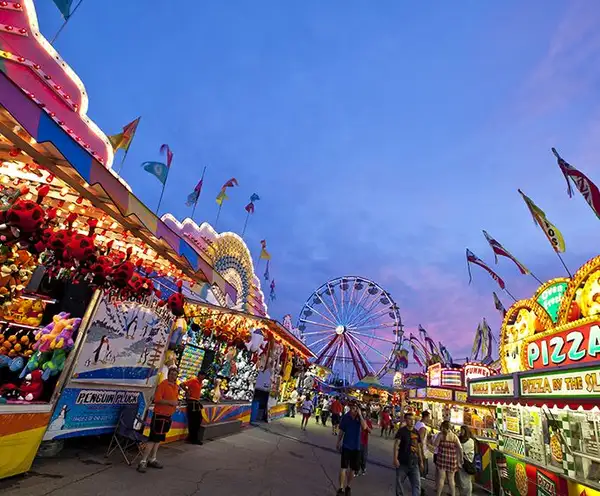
(157, 169)
(64, 6)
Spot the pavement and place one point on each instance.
(263, 460)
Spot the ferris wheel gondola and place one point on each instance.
(354, 328)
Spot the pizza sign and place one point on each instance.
(573, 346)
(494, 387)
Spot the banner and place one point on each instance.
(87, 412)
(124, 344)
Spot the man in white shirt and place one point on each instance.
(422, 427)
(293, 401)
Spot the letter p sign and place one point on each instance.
(533, 353)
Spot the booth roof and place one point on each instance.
(273, 325)
(59, 153)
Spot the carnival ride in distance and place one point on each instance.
(354, 328)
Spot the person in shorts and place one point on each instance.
(348, 443)
(336, 410)
(306, 410)
(165, 404)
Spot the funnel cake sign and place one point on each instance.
(33, 65)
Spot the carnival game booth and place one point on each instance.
(547, 400)
(83, 329)
(229, 349)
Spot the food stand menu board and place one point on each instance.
(190, 363)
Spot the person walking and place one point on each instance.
(422, 427)
(364, 443)
(449, 452)
(348, 443)
(336, 409)
(306, 410)
(292, 402)
(385, 422)
(464, 479)
(408, 457)
(192, 388)
(325, 410)
(165, 404)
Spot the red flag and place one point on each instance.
(503, 252)
(231, 183)
(472, 258)
(586, 187)
(249, 208)
(169, 153)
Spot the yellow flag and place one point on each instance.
(221, 197)
(123, 140)
(552, 233)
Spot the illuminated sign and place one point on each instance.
(476, 371)
(434, 375)
(452, 377)
(398, 380)
(582, 382)
(439, 394)
(493, 387)
(412, 393)
(578, 345)
(460, 396)
(551, 298)
(422, 393)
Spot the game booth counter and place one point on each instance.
(229, 349)
(82, 329)
(548, 397)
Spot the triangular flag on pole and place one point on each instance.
(64, 6)
(124, 138)
(472, 258)
(552, 233)
(498, 249)
(264, 254)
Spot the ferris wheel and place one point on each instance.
(353, 326)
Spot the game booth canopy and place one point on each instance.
(94, 287)
(547, 398)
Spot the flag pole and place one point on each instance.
(66, 21)
(510, 294)
(535, 277)
(218, 214)
(122, 162)
(245, 223)
(161, 197)
(563, 263)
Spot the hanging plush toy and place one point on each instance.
(175, 302)
(33, 386)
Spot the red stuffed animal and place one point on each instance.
(33, 386)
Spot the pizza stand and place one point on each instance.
(61, 204)
(547, 400)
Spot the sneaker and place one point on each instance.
(363, 472)
(155, 464)
(141, 468)
(348, 491)
(340, 492)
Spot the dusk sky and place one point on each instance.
(382, 137)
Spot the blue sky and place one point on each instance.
(381, 136)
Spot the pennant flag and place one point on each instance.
(250, 207)
(445, 354)
(498, 249)
(167, 151)
(123, 139)
(498, 304)
(64, 6)
(552, 233)
(587, 188)
(487, 337)
(157, 169)
(222, 196)
(192, 198)
(264, 254)
(472, 258)
(272, 295)
(476, 343)
(266, 274)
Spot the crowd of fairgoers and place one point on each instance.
(353, 422)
